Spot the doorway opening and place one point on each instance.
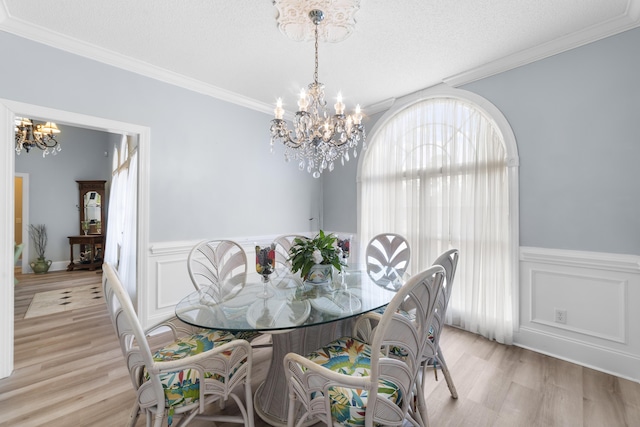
(8, 111)
(21, 218)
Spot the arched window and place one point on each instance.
(441, 169)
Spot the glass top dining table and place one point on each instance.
(299, 316)
(239, 304)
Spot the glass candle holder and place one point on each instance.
(345, 249)
(265, 266)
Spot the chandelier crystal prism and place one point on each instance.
(43, 136)
(318, 138)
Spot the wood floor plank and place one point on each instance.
(559, 408)
(602, 402)
(69, 371)
(521, 403)
(491, 388)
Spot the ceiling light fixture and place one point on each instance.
(318, 138)
(41, 135)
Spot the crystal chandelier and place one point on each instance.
(42, 136)
(318, 138)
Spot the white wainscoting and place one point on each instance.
(600, 294)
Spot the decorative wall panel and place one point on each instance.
(596, 294)
(593, 305)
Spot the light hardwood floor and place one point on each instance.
(69, 371)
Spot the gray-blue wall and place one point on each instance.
(340, 189)
(577, 125)
(211, 172)
(53, 191)
(575, 117)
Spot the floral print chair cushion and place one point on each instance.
(246, 335)
(182, 387)
(351, 357)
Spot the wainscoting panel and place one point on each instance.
(173, 274)
(572, 294)
(597, 297)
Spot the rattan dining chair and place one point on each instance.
(283, 245)
(17, 251)
(432, 355)
(387, 257)
(183, 378)
(352, 380)
(211, 262)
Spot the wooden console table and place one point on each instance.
(89, 242)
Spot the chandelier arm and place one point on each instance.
(29, 135)
(280, 131)
(290, 142)
(47, 142)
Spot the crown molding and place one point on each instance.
(379, 106)
(629, 20)
(59, 41)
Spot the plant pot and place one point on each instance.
(41, 265)
(320, 274)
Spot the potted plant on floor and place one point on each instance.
(38, 234)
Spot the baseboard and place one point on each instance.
(55, 266)
(607, 360)
(59, 265)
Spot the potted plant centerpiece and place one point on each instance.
(315, 258)
(38, 234)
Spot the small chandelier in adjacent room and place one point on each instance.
(318, 138)
(41, 135)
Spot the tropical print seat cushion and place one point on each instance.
(246, 335)
(182, 387)
(350, 356)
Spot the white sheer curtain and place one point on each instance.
(114, 214)
(436, 173)
(121, 229)
(127, 267)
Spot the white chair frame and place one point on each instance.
(211, 262)
(150, 395)
(387, 257)
(433, 353)
(309, 383)
(283, 245)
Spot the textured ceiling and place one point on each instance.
(235, 51)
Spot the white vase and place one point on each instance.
(320, 274)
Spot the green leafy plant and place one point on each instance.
(322, 249)
(38, 234)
